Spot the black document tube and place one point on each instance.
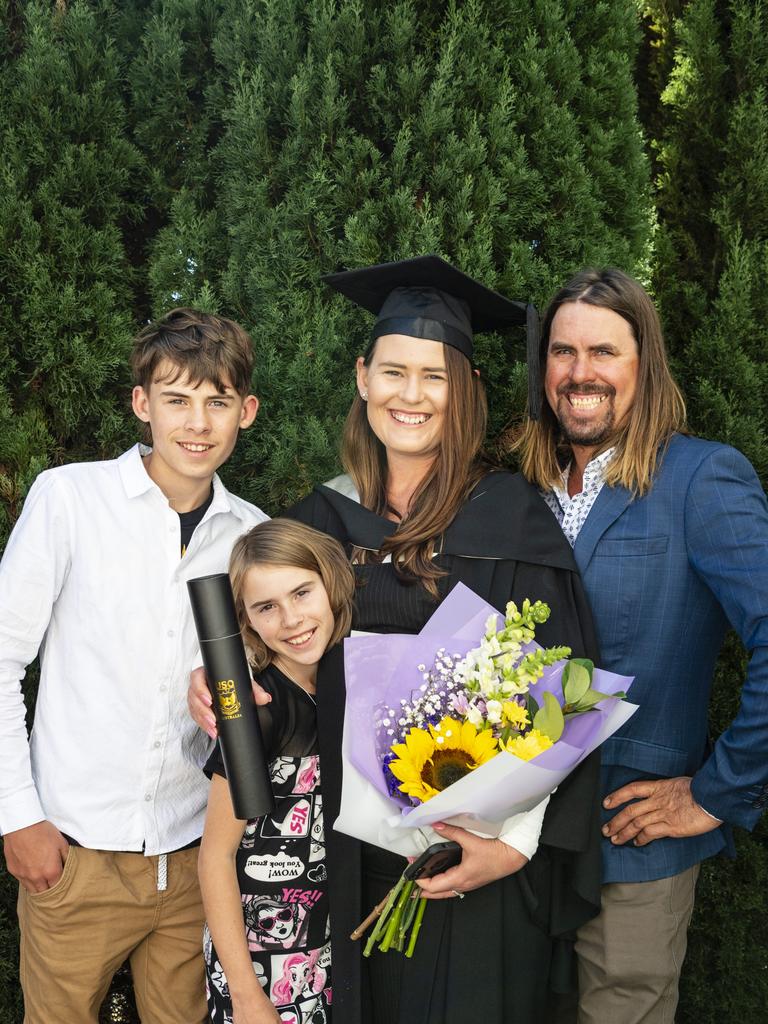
(229, 680)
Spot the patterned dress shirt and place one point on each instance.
(572, 512)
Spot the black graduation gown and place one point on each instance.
(500, 953)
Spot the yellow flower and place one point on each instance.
(515, 714)
(529, 746)
(430, 761)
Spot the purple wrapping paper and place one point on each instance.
(382, 669)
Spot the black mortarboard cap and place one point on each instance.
(428, 298)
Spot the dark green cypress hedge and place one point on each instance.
(711, 120)
(226, 152)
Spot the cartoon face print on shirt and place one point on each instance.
(295, 976)
(273, 924)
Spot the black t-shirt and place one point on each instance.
(189, 521)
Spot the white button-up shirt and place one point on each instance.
(92, 576)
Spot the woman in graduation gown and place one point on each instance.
(418, 512)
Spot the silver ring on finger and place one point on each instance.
(456, 892)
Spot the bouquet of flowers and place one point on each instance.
(467, 723)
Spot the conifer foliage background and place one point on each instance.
(711, 161)
(225, 153)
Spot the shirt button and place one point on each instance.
(156, 744)
(163, 688)
(171, 529)
(147, 797)
(171, 633)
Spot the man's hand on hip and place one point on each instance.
(663, 807)
(35, 855)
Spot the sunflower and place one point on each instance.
(529, 746)
(430, 761)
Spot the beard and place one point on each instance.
(586, 433)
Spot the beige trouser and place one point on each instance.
(631, 954)
(105, 909)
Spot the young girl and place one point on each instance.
(266, 945)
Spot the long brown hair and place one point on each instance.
(457, 468)
(658, 409)
(283, 542)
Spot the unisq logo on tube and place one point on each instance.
(229, 705)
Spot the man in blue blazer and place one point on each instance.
(670, 534)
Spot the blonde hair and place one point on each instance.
(658, 409)
(457, 468)
(282, 542)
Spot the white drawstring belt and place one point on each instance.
(162, 872)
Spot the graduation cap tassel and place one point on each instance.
(533, 340)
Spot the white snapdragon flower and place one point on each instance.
(474, 715)
(487, 676)
(491, 647)
(516, 685)
(506, 664)
(512, 648)
(493, 711)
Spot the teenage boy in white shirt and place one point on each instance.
(102, 810)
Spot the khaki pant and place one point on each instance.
(631, 954)
(105, 909)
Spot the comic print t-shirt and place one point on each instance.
(281, 870)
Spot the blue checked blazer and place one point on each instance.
(666, 574)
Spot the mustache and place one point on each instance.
(567, 388)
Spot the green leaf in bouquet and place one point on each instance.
(531, 706)
(549, 719)
(591, 698)
(577, 678)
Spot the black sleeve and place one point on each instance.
(215, 763)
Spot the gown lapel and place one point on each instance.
(364, 529)
(485, 526)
